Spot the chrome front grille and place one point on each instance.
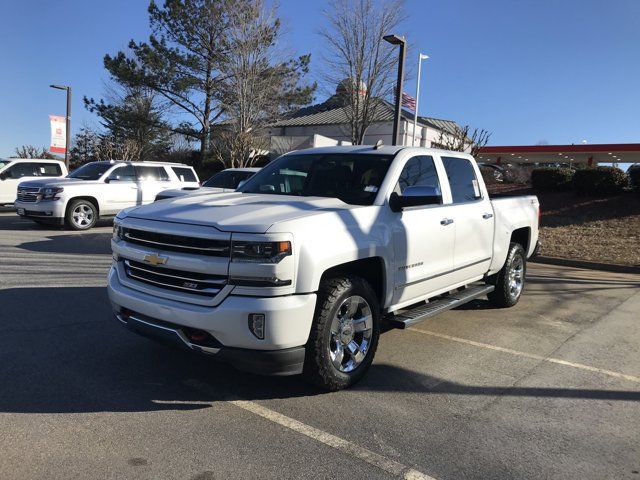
(28, 194)
(177, 243)
(196, 283)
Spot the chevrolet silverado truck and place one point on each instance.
(97, 190)
(295, 271)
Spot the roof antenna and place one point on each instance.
(378, 144)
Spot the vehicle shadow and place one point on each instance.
(77, 243)
(66, 354)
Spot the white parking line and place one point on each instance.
(534, 356)
(390, 466)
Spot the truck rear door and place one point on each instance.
(472, 214)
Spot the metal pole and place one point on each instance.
(415, 116)
(398, 113)
(68, 140)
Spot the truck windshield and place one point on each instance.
(351, 177)
(91, 171)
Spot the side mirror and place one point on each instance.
(242, 182)
(415, 196)
(114, 178)
(3, 176)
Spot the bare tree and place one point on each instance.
(262, 84)
(463, 140)
(29, 151)
(357, 53)
(128, 150)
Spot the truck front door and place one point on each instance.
(422, 238)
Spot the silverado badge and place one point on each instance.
(154, 259)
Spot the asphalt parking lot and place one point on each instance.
(547, 389)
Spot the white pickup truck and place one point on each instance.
(99, 189)
(295, 271)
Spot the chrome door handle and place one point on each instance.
(487, 215)
(446, 221)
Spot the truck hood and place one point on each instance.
(237, 212)
(59, 182)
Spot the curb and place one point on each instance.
(606, 267)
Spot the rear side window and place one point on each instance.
(49, 169)
(185, 174)
(462, 179)
(418, 172)
(157, 174)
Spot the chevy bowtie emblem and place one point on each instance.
(154, 259)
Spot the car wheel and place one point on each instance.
(344, 335)
(510, 280)
(81, 215)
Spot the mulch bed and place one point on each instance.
(596, 229)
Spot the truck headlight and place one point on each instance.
(117, 232)
(50, 193)
(259, 252)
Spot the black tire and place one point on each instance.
(507, 293)
(74, 222)
(333, 294)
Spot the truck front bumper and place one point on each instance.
(50, 210)
(287, 325)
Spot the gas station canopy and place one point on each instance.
(591, 154)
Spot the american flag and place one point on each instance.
(408, 101)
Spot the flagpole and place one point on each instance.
(415, 117)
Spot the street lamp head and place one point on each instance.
(394, 39)
(60, 87)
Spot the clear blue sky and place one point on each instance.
(556, 70)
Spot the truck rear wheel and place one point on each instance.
(344, 335)
(509, 281)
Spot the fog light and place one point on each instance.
(256, 324)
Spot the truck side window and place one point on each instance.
(49, 170)
(419, 171)
(184, 174)
(124, 174)
(22, 169)
(157, 174)
(462, 179)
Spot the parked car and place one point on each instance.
(99, 189)
(225, 181)
(16, 170)
(294, 272)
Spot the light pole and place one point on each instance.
(398, 40)
(421, 57)
(68, 132)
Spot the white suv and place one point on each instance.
(13, 171)
(99, 189)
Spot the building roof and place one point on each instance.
(332, 112)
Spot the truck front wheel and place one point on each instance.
(81, 215)
(344, 334)
(509, 281)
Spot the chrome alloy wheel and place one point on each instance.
(515, 277)
(351, 331)
(82, 215)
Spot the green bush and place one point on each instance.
(600, 181)
(634, 176)
(550, 179)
